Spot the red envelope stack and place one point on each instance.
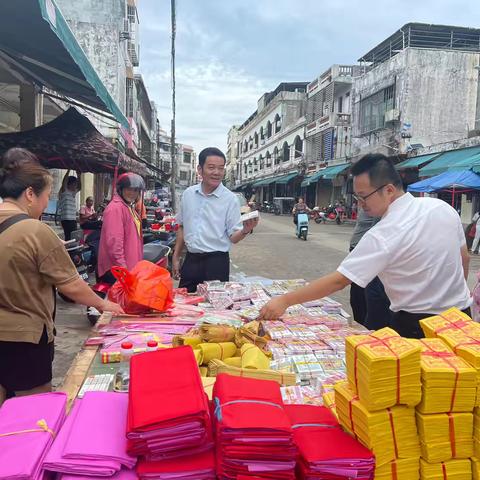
(168, 413)
(326, 451)
(254, 437)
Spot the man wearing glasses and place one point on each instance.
(417, 249)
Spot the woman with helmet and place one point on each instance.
(121, 243)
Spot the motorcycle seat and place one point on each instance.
(153, 252)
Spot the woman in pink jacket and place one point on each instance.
(121, 241)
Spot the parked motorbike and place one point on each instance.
(329, 214)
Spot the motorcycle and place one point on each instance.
(328, 214)
(302, 226)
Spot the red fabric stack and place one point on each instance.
(168, 413)
(254, 438)
(326, 451)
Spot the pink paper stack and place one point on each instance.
(27, 427)
(92, 441)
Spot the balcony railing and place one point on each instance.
(327, 121)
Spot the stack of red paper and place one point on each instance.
(168, 414)
(326, 451)
(254, 438)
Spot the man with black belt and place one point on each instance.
(209, 219)
(417, 249)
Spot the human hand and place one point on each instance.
(108, 306)
(249, 225)
(274, 309)
(175, 267)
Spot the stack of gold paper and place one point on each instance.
(252, 332)
(449, 383)
(191, 339)
(401, 469)
(475, 468)
(210, 351)
(216, 367)
(329, 402)
(384, 369)
(451, 318)
(390, 433)
(217, 333)
(450, 470)
(253, 357)
(476, 432)
(445, 436)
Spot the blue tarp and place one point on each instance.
(465, 179)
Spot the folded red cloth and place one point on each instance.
(168, 413)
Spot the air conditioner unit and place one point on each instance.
(392, 115)
(126, 33)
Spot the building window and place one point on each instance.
(340, 105)
(187, 157)
(298, 146)
(269, 129)
(269, 160)
(285, 152)
(373, 108)
(166, 165)
(278, 123)
(132, 14)
(255, 140)
(276, 156)
(183, 176)
(129, 98)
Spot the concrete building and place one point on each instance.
(328, 133)
(270, 144)
(419, 88)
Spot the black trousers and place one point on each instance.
(407, 324)
(69, 226)
(201, 267)
(358, 302)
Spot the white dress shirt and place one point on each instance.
(415, 250)
(209, 220)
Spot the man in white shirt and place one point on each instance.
(417, 249)
(209, 219)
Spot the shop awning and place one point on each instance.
(458, 180)
(264, 182)
(331, 172)
(463, 158)
(416, 162)
(283, 180)
(36, 38)
(311, 179)
(71, 141)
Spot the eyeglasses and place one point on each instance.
(359, 198)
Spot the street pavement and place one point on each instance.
(272, 251)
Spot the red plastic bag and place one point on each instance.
(147, 287)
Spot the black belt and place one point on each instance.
(207, 254)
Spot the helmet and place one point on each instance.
(130, 180)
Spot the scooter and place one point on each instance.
(302, 226)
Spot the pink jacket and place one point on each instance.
(120, 244)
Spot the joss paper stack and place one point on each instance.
(209, 351)
(168, 413)
(476, 432)
(329, 402)
(450, 470)
(92, 440)
(28, 426)
(400, 469)
(449, 383)
(451, 318)
(326, 451)
(445, 436)
(475, 468)
(196, 467)
(217, 333)
(254, 435)
(384, 369)
(390, 433)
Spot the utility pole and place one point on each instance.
(173, 149)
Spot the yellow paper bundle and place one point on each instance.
(216, 350)
(198, 356)
(450, 470)
(476, 432)
(286, 379)
(252, 332)
(449, 383)
(390, 433)
(203, 371)
(233, 361)
(475, 468)
(384, 369)
(400, 469)
(217, 333)
(451, 318)
(253, 357)
(192, 340)
(445, 436)
(329, 402)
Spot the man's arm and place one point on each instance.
(179, 246)
(324, 286)
(248, 226)
(465, 260)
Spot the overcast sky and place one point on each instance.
(229, 52)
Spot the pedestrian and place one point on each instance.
(88, 218)
(33, 263)
(67, 203)
(121, 240)
(476, 239)
(370, 305)
(210, 223)
(421, 277)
